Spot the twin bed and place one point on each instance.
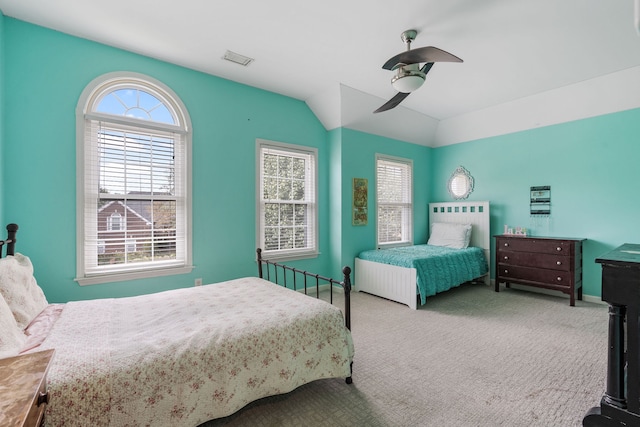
(180, 357)
(409, 275)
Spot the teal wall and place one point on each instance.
(2, 169)
(47, 72)
(352, 155)
(591, 166)
(358, 161)
(337, 209)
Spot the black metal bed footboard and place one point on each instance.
(345, 283)
(265, 272)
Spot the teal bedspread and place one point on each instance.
(439, 268)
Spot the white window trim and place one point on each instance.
(409, 240)
(90, 93)
(290, 254)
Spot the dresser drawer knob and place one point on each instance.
(559, 279)
(506, 244)
(43, 398)
(506, 272)
(558, 249)
(558, 262)
(506, 257)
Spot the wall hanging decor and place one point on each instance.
(460, 183)
(540, 202)
(540, 206)
(360, 201)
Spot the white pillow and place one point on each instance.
(20, 289)
(450, 235)
(12, 339)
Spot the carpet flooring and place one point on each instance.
(469, 357)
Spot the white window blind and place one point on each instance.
(134, 211)
(394, 201)
(287, 200)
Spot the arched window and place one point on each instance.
(114, 222)
(134, 188)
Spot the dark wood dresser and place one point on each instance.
(23, 389)
(620, 405)
(543, 262)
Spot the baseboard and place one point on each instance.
(586, 298)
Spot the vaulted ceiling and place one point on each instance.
(526, 63)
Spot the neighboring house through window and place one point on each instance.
(394, 199)
(134, 188)
(114, 222)
(287, 206)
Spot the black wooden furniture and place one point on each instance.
(543, 262)
(620, 405)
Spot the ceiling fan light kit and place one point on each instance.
(409, 75)
(408, 78)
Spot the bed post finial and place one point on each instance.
(259, 259)
(347, 296)
(12, 229)
(346, 271)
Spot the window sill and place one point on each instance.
(289, 256)
(132, 275)
(394, 245)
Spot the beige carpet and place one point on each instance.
(470, 357)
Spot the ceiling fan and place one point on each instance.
(409, 76)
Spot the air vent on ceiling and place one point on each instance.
(237, 58)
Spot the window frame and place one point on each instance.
(86, 118)
(407, 206)
(311, 251)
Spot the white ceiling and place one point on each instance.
(520, 56)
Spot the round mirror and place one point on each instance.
(460, 184)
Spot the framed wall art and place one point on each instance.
(360, 201)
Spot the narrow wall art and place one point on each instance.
(360, 201)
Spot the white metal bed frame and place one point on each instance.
(400, 283)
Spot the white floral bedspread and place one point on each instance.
(182, 357)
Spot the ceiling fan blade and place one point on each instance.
(393, 102)
(426, 67)
(422, 54)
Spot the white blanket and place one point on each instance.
(182, 357)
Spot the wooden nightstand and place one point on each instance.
(23, 389)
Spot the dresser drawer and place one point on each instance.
(535, 275)
(538, 260)
(535, 245)
(36, 414)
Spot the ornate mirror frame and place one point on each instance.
(460, 183)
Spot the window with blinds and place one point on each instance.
(287, 217)
(134, 192)
(394, 199)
